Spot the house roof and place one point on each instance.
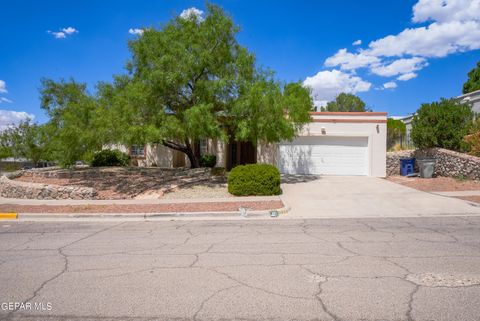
(405, 119)
(470, 97)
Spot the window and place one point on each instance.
(137, 151)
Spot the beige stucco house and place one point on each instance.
(333, 143)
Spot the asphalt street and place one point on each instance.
(315, 269)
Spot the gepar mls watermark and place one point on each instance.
(26, 306)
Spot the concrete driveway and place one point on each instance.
(350, 197)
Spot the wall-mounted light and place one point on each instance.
(324, 131)
(378, 128)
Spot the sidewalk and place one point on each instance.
(141, 209)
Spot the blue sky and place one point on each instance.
(431, 44)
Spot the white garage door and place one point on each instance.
(324, 155)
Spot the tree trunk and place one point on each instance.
(192, 155)
(186, 149)
(194, 162)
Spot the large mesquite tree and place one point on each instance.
(191, 80)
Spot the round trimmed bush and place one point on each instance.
(108, 157)
(254, 179)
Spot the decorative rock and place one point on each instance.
(17, 189)
(449, 163)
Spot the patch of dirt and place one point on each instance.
(41, 180)
(206, 190)
(474, 199)
(436, 184)
(144, 208)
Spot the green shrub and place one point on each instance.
(108, 157)
(396, 130)
(254, 179)
(442, 124)
(208, 160)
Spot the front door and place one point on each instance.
(240, 153)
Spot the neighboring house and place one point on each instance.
(473, 99)
(407, 120)
(334, 143)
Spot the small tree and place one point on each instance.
(346, 103)
(473, 82)
(5, 145)
(76, 122)
(441, 124)
(396, 130)
(27, 140)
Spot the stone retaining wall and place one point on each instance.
(449, 163)
(95, 172)
(16, 189)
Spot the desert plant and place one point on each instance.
(442, 124)
(108, 157)
(208, 160)
(473, 141)
(254, 179)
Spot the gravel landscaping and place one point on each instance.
(144, 208)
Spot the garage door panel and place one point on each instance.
(325, 155)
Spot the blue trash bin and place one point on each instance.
(406, 166)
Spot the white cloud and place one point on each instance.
(192, 12)
(326, 85)
(390, 85)
(435, 40)
(3, 87)
(69, 30)
(63, 33)
(3, 90)
(135, 31)
(399, 66)
(9, 117)
(407, 76)
(446, 10)
(350, 61)
(357, 42)
(57, 35)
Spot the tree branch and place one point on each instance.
(175, 146)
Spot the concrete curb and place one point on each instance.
(8, 216)
(145, 216)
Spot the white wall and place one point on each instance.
(371, 125)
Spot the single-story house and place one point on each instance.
(333, 143)
(473, 99)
